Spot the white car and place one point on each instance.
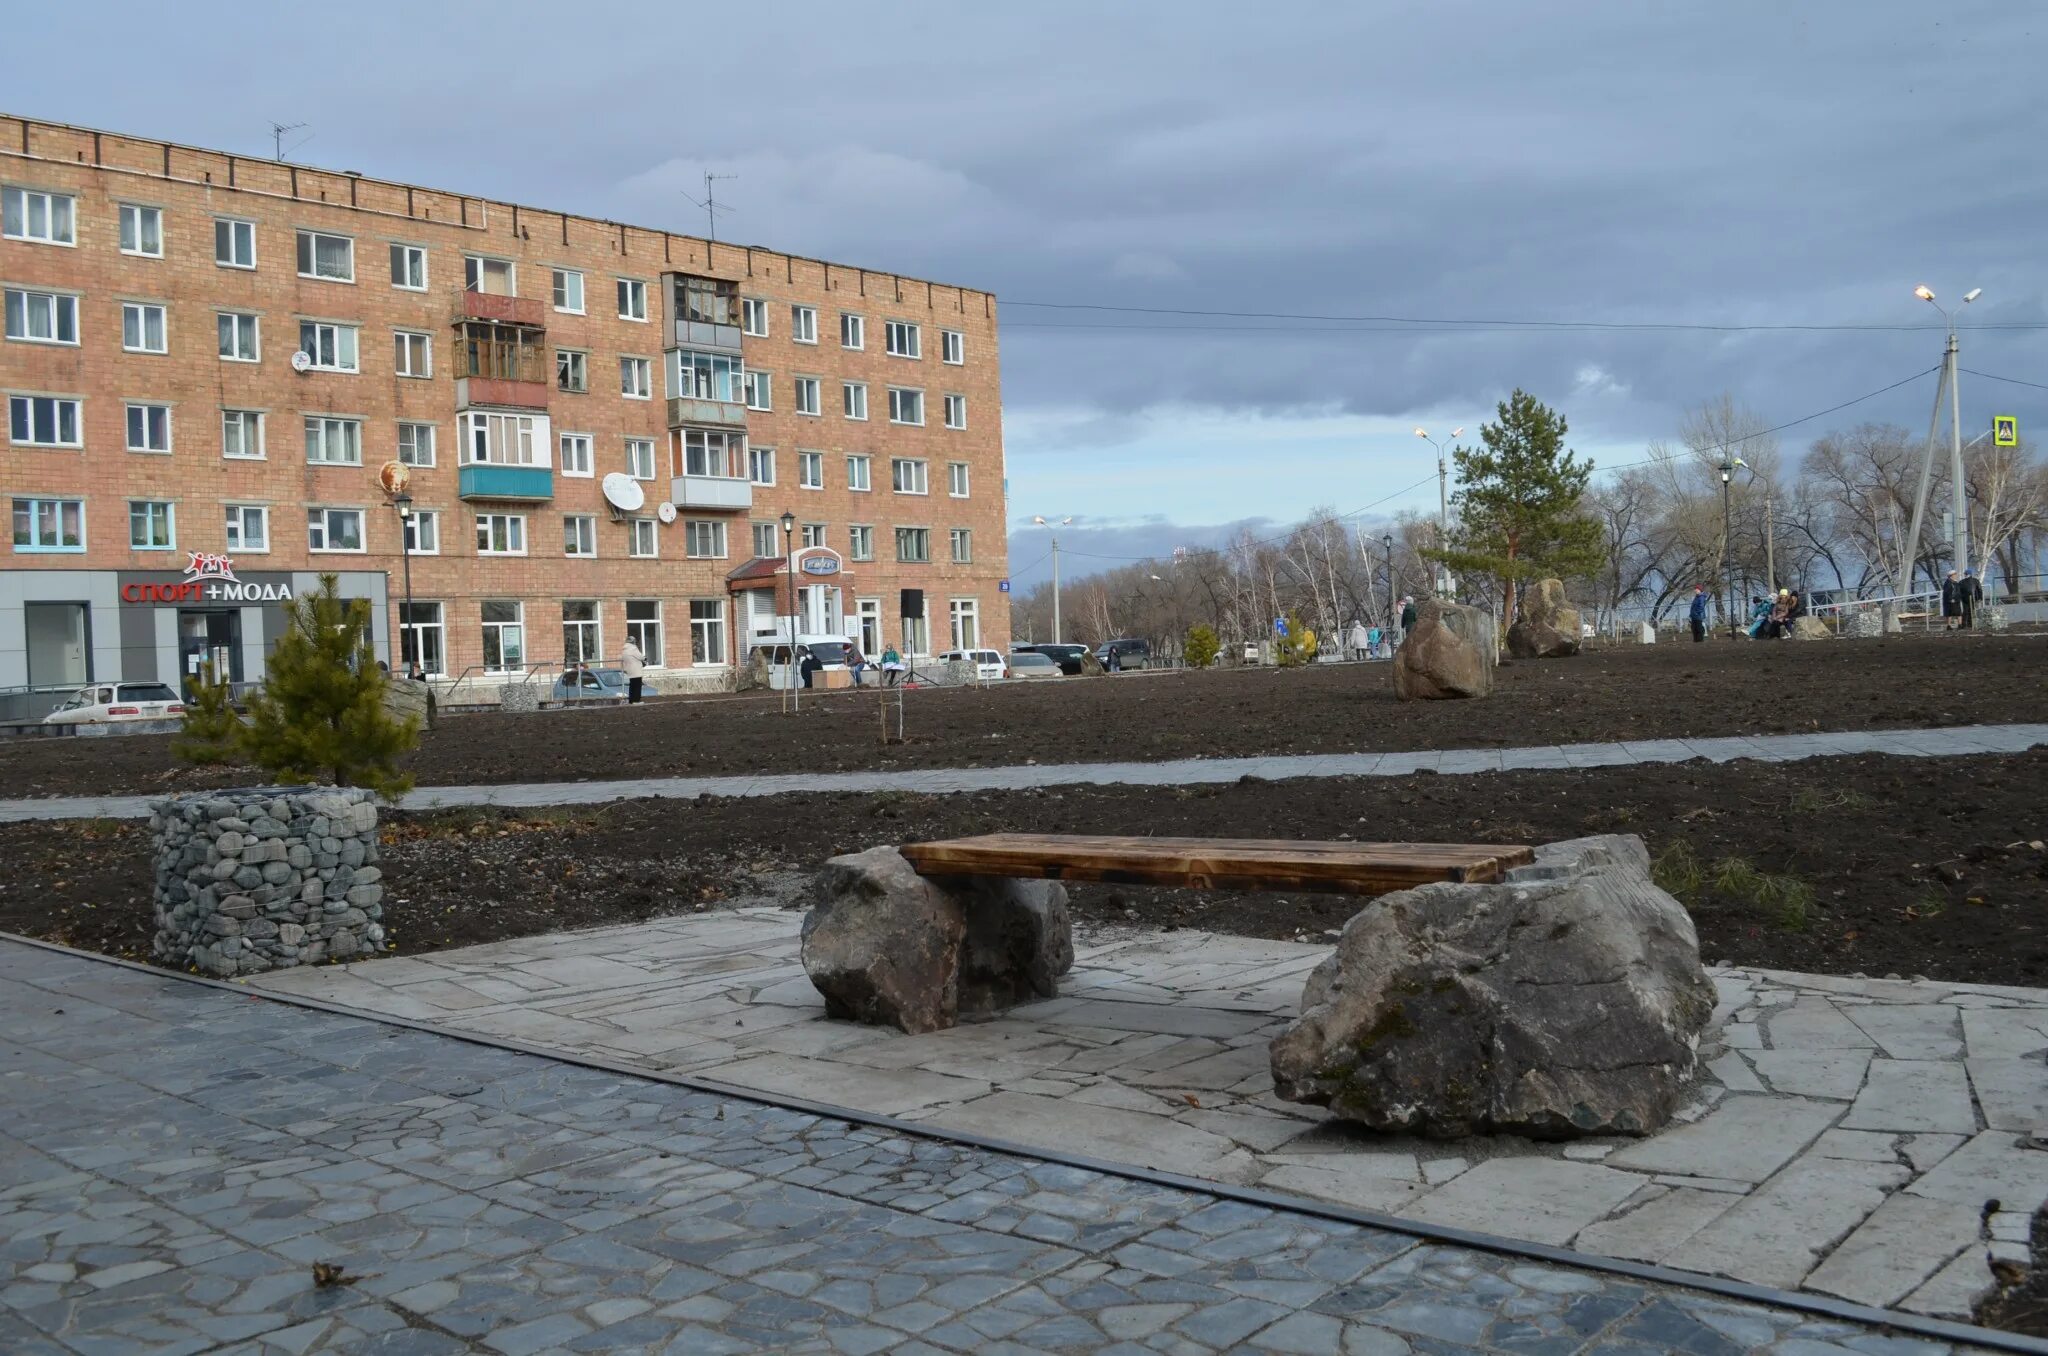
(988, 664)
(107, 703)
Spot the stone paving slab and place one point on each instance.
(1825, 1098)
(1913, 743)
(157, 1193)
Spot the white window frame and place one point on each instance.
(58, 304)
(803, 324)
(630, 368)
(568, 361)
(509, 438)
(774, 551)
(128, 423)
(641, 630)
(636, 449)
(57, 406)
(632, 295)
(239, 230)
(959, 480)
(418, 428)
(138, 312)
(754, 316)
(760, 460)
(853, 326)
(354, 345)
(896, 403)
(643, 539)
(309, 239)
(585, 464)
(716, 530)
(953, 348)
(327, 533)
(925, 540)
(955, 407)
(960, 545)
(14, 213)
(919, 475)
(808, 393)
(860, 541)
(517, 626)
(583, 528)
(589, 632)
(853, 400)
(895, 332)
(758, 387)
(404, 344)
(558, 291)
(347, 428)
(408, 614)
(139, 212)
(473, 274)
(864, 465)
(810, 470)
(812, 534)
(705, 630)
(413, 541)
(238, 539)
(170, 521)
(491, 528)
(403, 257)
(242, 324)
(959, 611)
(246, 420)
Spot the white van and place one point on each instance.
(831, 652)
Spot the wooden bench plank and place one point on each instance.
(1218, 863)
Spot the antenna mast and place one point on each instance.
(710, 203)
(278, 131)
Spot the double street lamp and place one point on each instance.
(1443, 502)
(789, 568)
(1041, 522)
(403, 503)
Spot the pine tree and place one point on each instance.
(1520, 503)
(212, 731)
(1201, 646)
(320, 711)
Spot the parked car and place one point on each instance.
(988, 664)
(587, 684)
(1068, 657)
(109, 703)
(1033, 664)
(1131, 654)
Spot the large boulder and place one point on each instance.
(1810, 628)
(1548, 627)
(1567, 1001)
(1450, 652)
(882, 943)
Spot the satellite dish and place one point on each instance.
(622, 492)
(665, 511)
(301, 360)
(395, 477)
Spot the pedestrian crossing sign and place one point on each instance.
(2005, 431)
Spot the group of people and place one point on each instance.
(1959, 600)
(891, 664)
(1769, 618)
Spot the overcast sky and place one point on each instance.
(1727, 163)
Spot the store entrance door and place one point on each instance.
(211, 635)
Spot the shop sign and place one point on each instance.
(820, 565)
(209, 578)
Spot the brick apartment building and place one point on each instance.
(601, 427)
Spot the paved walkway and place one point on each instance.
(1849, 1137)
(1924, 743)
(176, 1159)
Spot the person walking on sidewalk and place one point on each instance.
(1951, 601)
(1698, 616)
(1968, 594)
(631, 662)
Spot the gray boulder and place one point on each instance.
(1019, 940)
(882, 944)
(1450, 652)
(1549, 626)
(1567, 1001)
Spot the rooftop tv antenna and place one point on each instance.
(710, 203)
(278, 132)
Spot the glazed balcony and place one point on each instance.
(727, 494)
(503, 365)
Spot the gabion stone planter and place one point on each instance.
(248, 881)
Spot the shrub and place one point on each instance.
(1201, 646)
(213, 731)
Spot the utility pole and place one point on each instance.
(1055, 571)
(1770, 542)
(1959, 526)
(1444, 583)
(1727, 563)
(710, 203)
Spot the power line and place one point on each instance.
(1993, 376)
(1457, 322)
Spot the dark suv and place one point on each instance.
(1068, 657)
(1130, 654)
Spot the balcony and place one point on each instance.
(487, 480)
(503, 365)
(726, 493)
(705, 312)
(689, 410)
(502, 310)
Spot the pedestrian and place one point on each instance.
(808, 664)
(856, 661)
(892, 666)
(1407, 615)
(632, 661)
(1968, 596)
(1116, 659)
(1698, 615)
(1951, 601)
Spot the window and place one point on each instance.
(952, 347)
(409, 268)
(142, 230)
(43, 421)
(415, 354)
(710, 452)
(956, 479)
(706, 301)
(704, 539)
(854, 399)
(853, 330)
(754, 316)
(239, 339)
(331, 347)
(803, 324)
(569, 291)
(579, 534)
(149, 525)
(504, 636)
(966, 617)
(640, 458)
(760, 390)
(416, 444)
(909, 477)
(248, 528)
(42, 317)
(914, 545)
(813, 534)
(49, 524)
(870, 612)
(810, 470)
(645, 540)
(501, 534)
(707, 631)
(142, 327)
(767, 544)
(902, 339)
(234, 243)
(422, 531)
(636, 379)
(963, 546)
(501, 439)
(492, 277)
(334, 529)
(857, 472)
(905, 406)
(49, 218)
(576, 458)
(332, 257)
(956, 411)
(149, 428)
(643, 628)
(860, 542)
(703, 376)
(241, 435)
(632, 299)
(334, 442)
(582, 638)
(572, 370)
(420, 636)
(807, 401)
(761, 465)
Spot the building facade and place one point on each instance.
(226, 376)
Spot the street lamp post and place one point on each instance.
(1393, 609)
(1727, 564)
(1959, 528)
(403, 503)
(1055, 572)
(1443, 503)
(789, 568)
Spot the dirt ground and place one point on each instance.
(1868, 864)
(1626, 692)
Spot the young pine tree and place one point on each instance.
(320, 711)
(1201, 646)
(1521, 503)
(213, 731)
